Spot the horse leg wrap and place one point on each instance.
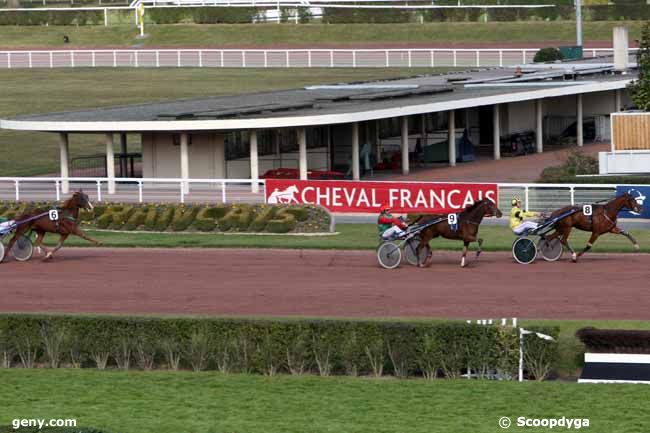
(574, 256)
(462, 262)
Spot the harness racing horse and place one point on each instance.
(466, 230)
(64, 224)
(602, 220)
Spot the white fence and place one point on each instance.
(537, 197)
(289, 58)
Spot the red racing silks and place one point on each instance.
(368, 197)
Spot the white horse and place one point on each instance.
(283, 197)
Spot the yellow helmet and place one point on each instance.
(515, 201)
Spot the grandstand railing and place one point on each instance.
(536, 196)
(277, 58)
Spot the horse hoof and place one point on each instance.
(574, 257)
(478, 253)
(637, 247)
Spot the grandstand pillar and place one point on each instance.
(496, 131)
(617, 100)
(110, 163)
(579, 138)
(539, 126)
(255, 172)
(64, 152)
(185, 161)
(328, 143)
(302, 151)
(451, 133)
(405, 146)
(123, 159)
(355, 152)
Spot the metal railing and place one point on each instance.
(277, 58)
(536, 196)
(132, 189)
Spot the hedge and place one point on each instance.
(615, 340)
(205, 218)
(323, 347)
(236, 15)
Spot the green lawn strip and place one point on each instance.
(173, 402)
(229, 35)
(44, 90)
(350, 237)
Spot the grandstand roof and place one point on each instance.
(349, 102)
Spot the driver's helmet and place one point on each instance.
(385, 208)
(515, 201)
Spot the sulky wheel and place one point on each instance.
(23, 249)
(410, 252)
(2, 251)
(389, 255)
(524, 251)
(550, 250)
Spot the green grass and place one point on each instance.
(42, 91)
(173, 402)
(228, 35)
(350, 237)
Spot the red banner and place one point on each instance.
(368, 197)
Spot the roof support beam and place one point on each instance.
(110, 163)
(302, 151)
(405, 146)
(64, 157)
(255, 172)
(185, 161)
(496, 131)
(451, 133)
(355, 152)
(539, 126)
(579, 138)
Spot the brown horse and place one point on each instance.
(63, 222)
(468, 222)
(602, 220)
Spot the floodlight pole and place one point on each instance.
(579, 23)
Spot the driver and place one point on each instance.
(517, 215)
(389, 227)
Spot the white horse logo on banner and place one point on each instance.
(283, 197)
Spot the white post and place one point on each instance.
(105, 17)
(405, 146)
(254, 162)
(617, 100)
(355, 152)
(64, 152)
(539, 126)
(185, 161)
(496, 131)
(521, 355)
(579, 138)
(451, 132)
(110, 163)
(302, 150)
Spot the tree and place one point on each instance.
(640, 89)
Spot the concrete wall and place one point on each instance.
(161, 157)
(520, 117)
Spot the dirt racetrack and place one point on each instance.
(325, 283)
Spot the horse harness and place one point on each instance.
(66, 217)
